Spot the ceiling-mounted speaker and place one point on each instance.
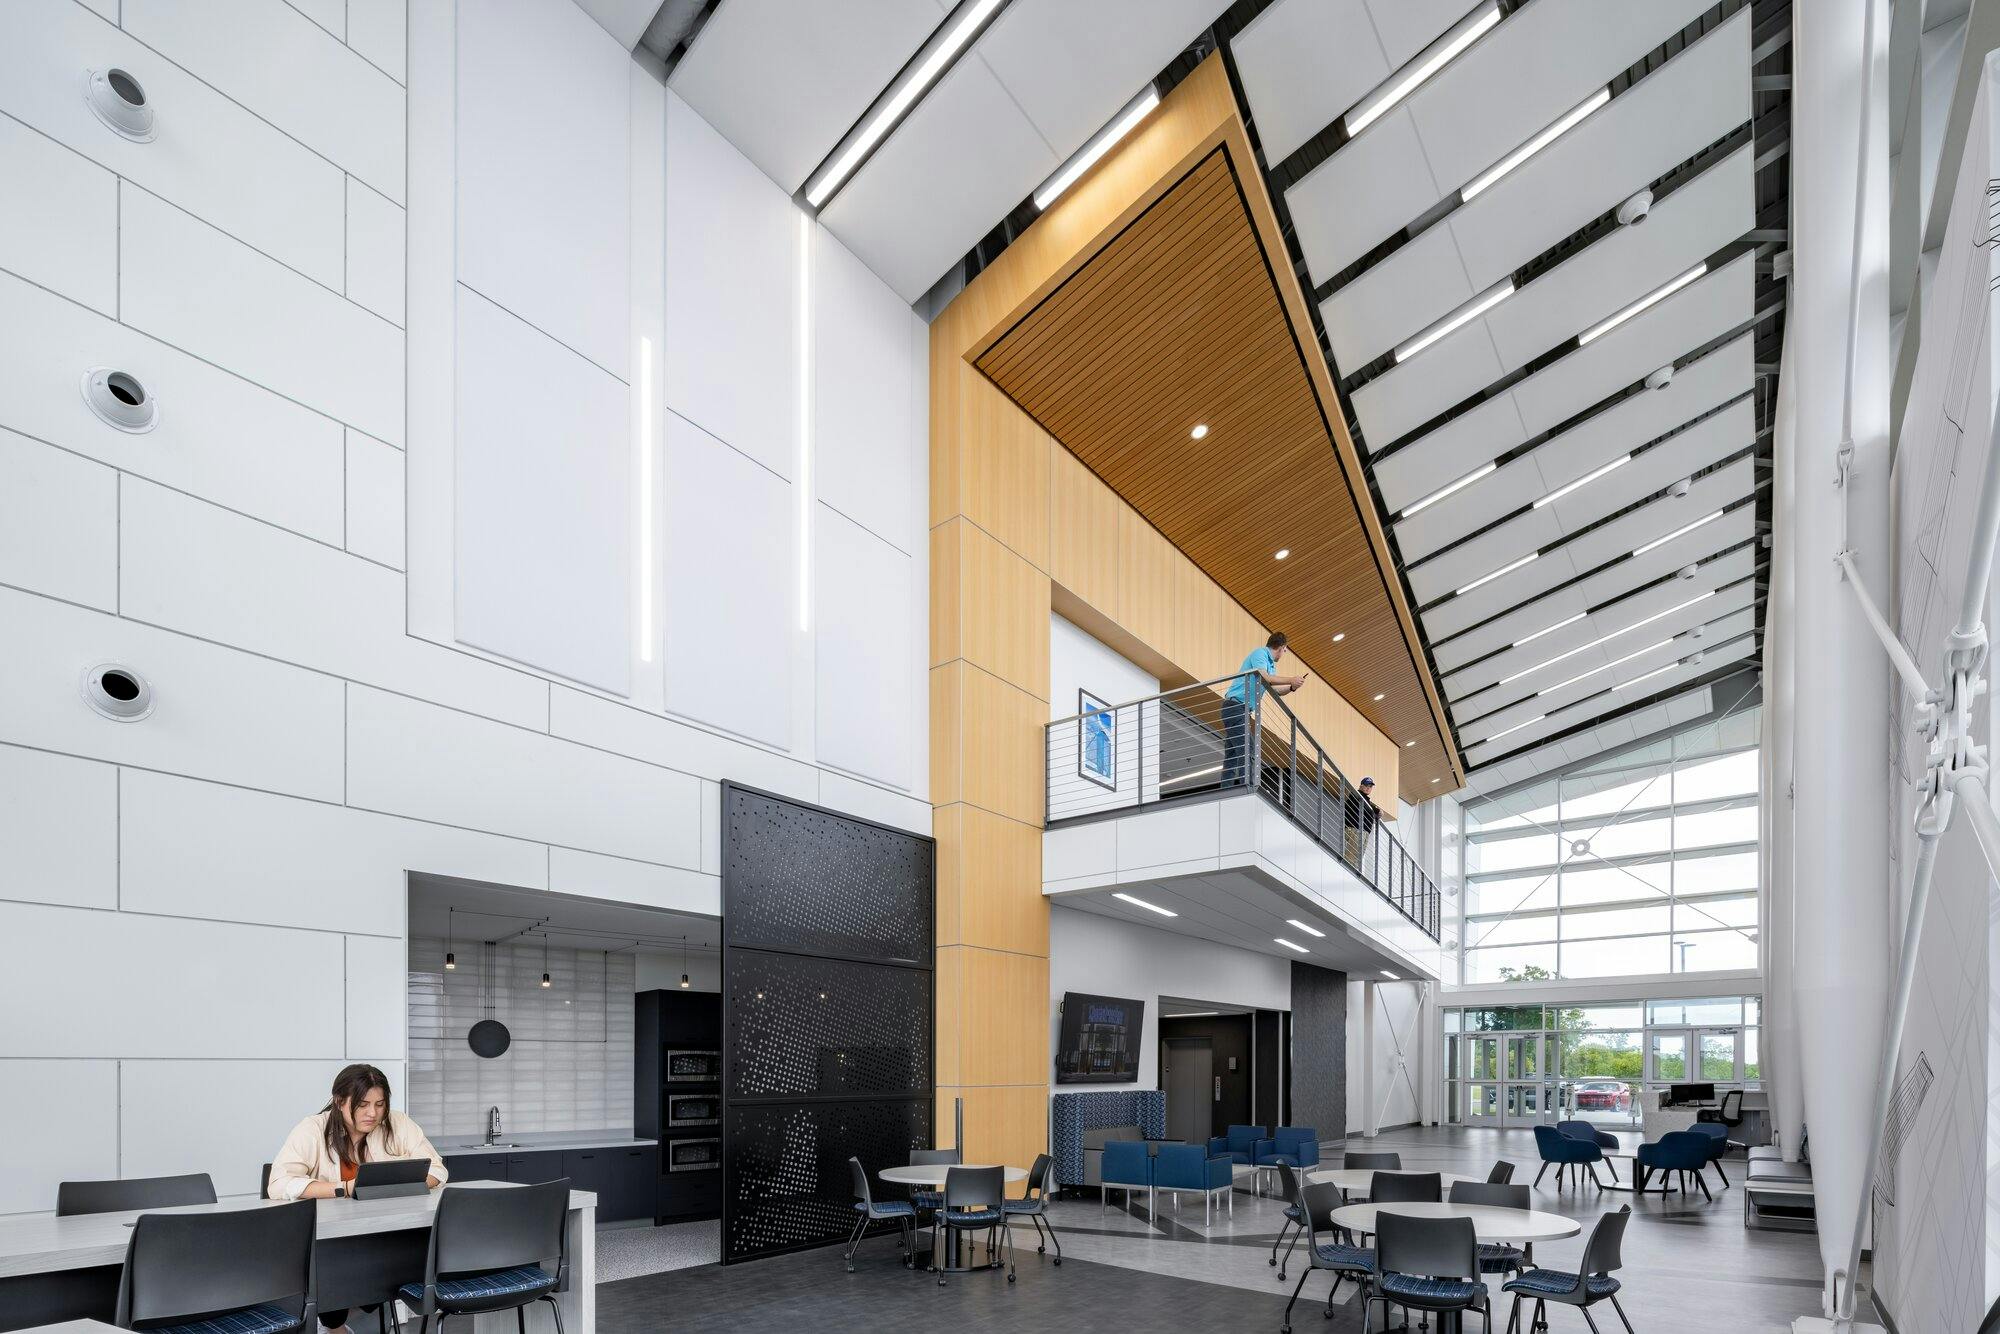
(119, 100)
(1661, 378)
(1634, 210)
(117, 692)
(119, 400)
(1680, 488)
(1687, 571)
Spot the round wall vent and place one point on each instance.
(119, 100)
(117, 692)
(120, 400)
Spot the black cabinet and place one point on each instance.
(677, 1021)
(477, 1166)
(525, 1169)
(624, 1179)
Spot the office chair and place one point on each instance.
(1730, 1114)
(244, 1271)
(108, 1197)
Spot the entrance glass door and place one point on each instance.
(1481, 1083)
(1667, 1056)
(1530, 1081)
(1719, 1056)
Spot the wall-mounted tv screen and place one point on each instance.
(1099, 1041)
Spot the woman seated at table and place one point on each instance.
(324, 1152)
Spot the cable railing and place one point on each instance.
(1196, 742)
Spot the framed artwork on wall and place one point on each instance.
(1096, 740)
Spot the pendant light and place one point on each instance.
(450, 959)
(684, 963)
(545, 961)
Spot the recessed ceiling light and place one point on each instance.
(1443, 491)
(1535, 145)
(1471, 310)
(1100, 144)
(1508, 568)
(1380, 698)
(1412, 76)
(1290, 946)
(1282, 553)
(1584, 480)
(969, 20)
(1141, 903)
(1437, 780)
(1200, 430)
(1342, 635)
(1309, 930)
(1391, 976)
(1605, 327)
(1681, 531)
(1408, 744)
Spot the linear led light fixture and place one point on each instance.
(1443, 491)
(1141, 903)
(1393, 977)
(1650, 299)
(1681, 531)
(965, 24)
(1602, 639)
(1661, 671)
(1508, 568)
(1605, 667)
(1535, 145)
(1471, 310)
(1413, 75)
(1101, 143)
(1546, 630)
(1517, 727)
(1193, 1014)
(1289, 945)
(1585, 480)
(1313, 931)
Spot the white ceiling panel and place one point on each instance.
(1619, 537)
(962, 159)
(1732, 529)
(1707, 442)
(1543, 60)
(1631, 421)
(1071, 66)
(1603, 737)
(1538, 687)
(1406, 27)
(783, 80)
(1567, 644)
(1302, 64)
(1377, 184)
(1478, 435)
(1449, 371)
(1663, 120)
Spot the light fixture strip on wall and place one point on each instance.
(952, 39)
(1471, 310)
(1650, 299)
(1508, 568)
(1485, 179)
(1100, 143)
(647, 444)
(1443, 491)
(805, 337)
(1583, 481)
(1413, 75)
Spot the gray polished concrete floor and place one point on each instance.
(1691, 1268)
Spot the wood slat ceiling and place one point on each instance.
(1179, 319)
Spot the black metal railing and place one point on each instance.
(1198, 742)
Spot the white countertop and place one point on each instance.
(40, 1243)
(544, 1143)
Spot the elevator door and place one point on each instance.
(1190, 1084)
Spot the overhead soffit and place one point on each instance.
(1178, 319)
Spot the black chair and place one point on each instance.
(235, 1271)
(1392, 1162)
(264, 1183)
(1496, 1257)
(973, 1202)
(1034, 1206)
(1406, 1188)
(925, 1198)
(1326, 1251)
(1729, 1114)
(1295, 1216)
(1592, 1283)
(901, 1212)
(110, 1197)
(1502, 1173)
(1427, 1264)
(489, 1251)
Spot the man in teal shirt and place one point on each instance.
(1239, 704)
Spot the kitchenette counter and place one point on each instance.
(587, 1139)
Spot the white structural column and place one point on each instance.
(1782, 1079)
(1370, 1113)
(1841, 908)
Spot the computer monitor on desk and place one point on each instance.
(1683, 1094)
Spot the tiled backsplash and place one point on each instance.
(570, 1064)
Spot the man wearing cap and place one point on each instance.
(1361, 819)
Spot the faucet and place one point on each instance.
(492, 1124)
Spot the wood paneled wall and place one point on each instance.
(1020, 528)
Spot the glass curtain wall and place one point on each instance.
(1641, 863)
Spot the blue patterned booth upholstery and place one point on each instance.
(1073, 1114)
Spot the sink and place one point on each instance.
(481, 1147)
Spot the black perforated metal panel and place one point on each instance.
(803, 1027)
(787, 1168)
(805, 879)
(827, 1015)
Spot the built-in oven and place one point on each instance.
(693, 1109)
(693, 1155)
(694, 1067)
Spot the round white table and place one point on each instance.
(1361, 1178)
(932, 1174)
(1490, 1222)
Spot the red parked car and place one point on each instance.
(1602, 1095)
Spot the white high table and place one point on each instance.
(1489, 1221)
(58, 1269)
(1360, 1179)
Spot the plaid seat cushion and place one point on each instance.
(1347, 1257)
(1422, 1289)
(972, 1217)
(1296, 1214)
(886, 1208)
(1022, 1206)
(1498, 1257)
(265, 1318)
(500, 1283)
(1555, 1283)
(927, 1199)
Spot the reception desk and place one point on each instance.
(1660, 1118)
(57, 1269)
